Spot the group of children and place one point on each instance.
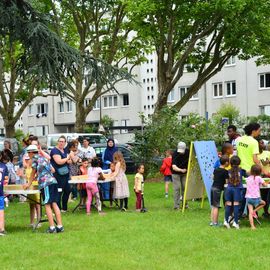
(228, 178)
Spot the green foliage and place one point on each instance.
(107, 123)
(91, 128)
(264, 121)
(229, 111)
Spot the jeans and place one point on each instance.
(62, 181)
(179, 181)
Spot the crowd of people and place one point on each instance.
(52, 171)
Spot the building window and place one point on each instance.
(2, 131)
(148, 88)
(152, 88)
(69, 105)
(110, 101)
(97, 104)
(125, 99)
(144, 80)
(265, 80)
(144, 107)
(183, 91)
(30, 109)
(31, 130)
(86, 102)
(61, 106)
(124, 123)
(217, 90)
(231, 88)
(195, 96)
(171, 96)
(42, 108)
(265, 109)
(42, 130)
(230, 61)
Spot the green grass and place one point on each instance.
(159, 239)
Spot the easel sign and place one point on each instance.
(202, 157)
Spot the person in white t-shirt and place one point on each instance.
(87, 150)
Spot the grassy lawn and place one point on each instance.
(160, 239)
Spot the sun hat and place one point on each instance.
(32, 148)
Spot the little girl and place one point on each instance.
(233, 192)
(121, 190)
(253, 193)
(94, 172)
(165, 169)
(82, 187)
(138, 187)
(33, 199)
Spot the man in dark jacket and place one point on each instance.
(179, 172)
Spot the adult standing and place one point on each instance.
(107, 159)
(7, 149)
(179, 171)
(87, 150)
(60, 161)
(233, 136)
(247, 146)
(47, 184)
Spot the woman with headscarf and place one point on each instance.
(107, 159)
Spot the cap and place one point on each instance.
(32, 148)
(181, 147)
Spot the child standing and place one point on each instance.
(121, 190)
(82, 187)
(233, 192)
(138, 187)
(220, 178)
(165, 169)
(3, 179)
(94, 172)
(253, 193)
(32, 198)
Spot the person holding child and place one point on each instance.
(121, 190)
(138, 187)
(165, 169)
(220, 177)
(253, 197)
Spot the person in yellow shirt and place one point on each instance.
(138, 187)
(247, 146)
(33, 199)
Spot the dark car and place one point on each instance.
(124, 149)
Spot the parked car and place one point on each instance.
(124, 149)
(92, 137)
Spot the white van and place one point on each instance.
(92, 137)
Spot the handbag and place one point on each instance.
(63, 170)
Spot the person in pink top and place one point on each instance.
(253, 196)
(94, 173)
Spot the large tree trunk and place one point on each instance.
(80, 117)
(10, 128)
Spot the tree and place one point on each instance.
(31, 57)
(199, 35)
(100, 28)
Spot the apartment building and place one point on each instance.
(241, 83)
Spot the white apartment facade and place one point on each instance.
(241, 83)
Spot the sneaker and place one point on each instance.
(3, 233)
(211, 224)
(236, 226)
(226, 224)
(176, 208)
(6, 201)
(63, 211)
(51, 230)
(123, 209)
(166, 195)
(102, 213)
(59, 230)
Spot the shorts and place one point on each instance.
(233, 194)
(215, 197)
(33, 198)
(50, 194)
(253, 201)
(2, 203)
(167, 178)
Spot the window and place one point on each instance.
(231, 88)
(61, 106)
(42, 130)
(171, 96)
(144, 80)
(152, 88)
(69, 105)
(2, 131)
(230, 61)
(86, 102)
(265, 109)
(31, 109)
(110, 101)
(265, 80)
(183, 91)
(217, 90)
(97, 105)
(42, 108)
(124, 123)
(148, 88)
(125, 99)
(31, 130)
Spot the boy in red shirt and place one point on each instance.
(165, 169)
